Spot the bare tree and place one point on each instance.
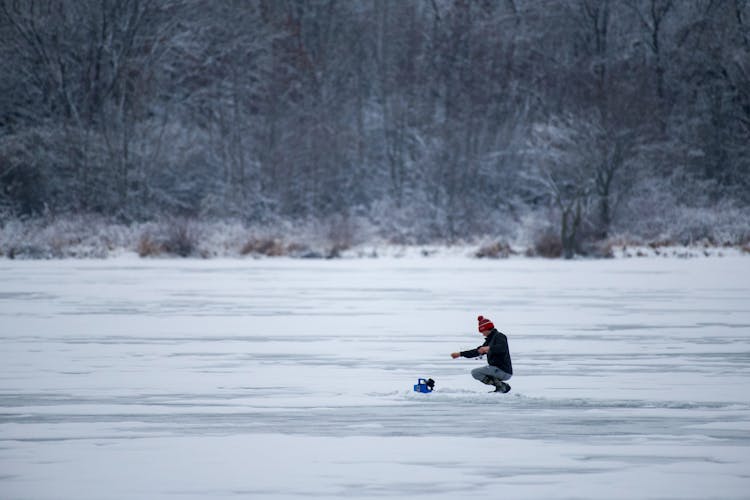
(560, 164)
(653, 15)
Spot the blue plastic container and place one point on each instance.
(421, 386)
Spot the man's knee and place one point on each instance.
(478, 373)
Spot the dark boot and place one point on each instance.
(501, 386)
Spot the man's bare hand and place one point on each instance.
(454, 355)
(484, 349)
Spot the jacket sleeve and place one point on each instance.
(472, 353)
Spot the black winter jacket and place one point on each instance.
(499, 354)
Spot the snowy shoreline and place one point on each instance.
(86, 237)
(618, 252)
(375, 251)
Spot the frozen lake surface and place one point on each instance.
(280, 379)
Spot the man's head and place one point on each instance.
(485, 325)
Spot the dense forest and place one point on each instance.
(566, 121)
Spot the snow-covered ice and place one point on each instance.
(283, 378)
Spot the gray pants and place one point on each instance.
(485, 374)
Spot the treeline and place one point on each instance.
(433, 119)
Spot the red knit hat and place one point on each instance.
(485, 324)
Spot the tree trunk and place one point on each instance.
(571, 222)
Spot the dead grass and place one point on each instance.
(148, 246)
(270, 247)
(497, 250)
(547, 245)
(173, 237)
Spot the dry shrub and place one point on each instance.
(498, 250)
(274, 247)
(745, 243)
(599, 249)
(548, 245)
(297, 249)
(662, 243)
(148, 246)
(181, 240)
(270, 247)
(342, 232)
(335, 251)
(28, 252)
(174, 237)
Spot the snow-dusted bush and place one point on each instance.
(657, 213)
(75, 237)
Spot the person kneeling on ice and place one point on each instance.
(495, 347)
